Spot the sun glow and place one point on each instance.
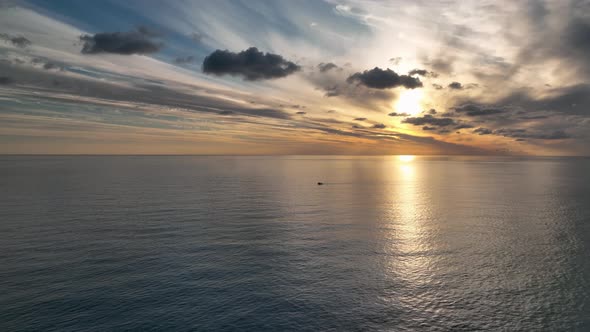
(406, 158)
(410, 102)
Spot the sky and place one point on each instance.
(249, 77)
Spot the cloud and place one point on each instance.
(422, 72)
(482, 131)
(360, 119)
(378, 78)
(475, 110)
(429, 120)
(432, 111)
(441, 65)
(324, 67)
(524, 134)
(464, 126)
(5, 80)
(395, 61)
(197, 37)
(301, 113)
(398, 114)
(184, 60)
(379, 126)
(175, 97)
(139, 41)
(437, 86)
(251, 64)
(18, 41)
(456, 86)
(428, 128)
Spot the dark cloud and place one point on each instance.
(5, 80)
(432, 111)
(482, 131)
(429, 120)
(226, 113)
(360, 119)
(324, 67)
(18, 41)
(251, 64)
(475, 110)
(184, 60)
(398, 114)
(52, 65)
(378, 78)
(464, 126)
(456, 86)
(578, 36)
(379, 126)
(525, 134)
(422, 72)
(573, 100)
(301, 113)
(428, 128)
(139, 41)
(437, 86)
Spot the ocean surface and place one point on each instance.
(190, 243)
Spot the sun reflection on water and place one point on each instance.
(412, 257)
(406, 158)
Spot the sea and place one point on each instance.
(254, 243)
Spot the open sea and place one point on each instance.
(186, 243)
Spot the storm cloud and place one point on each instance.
(378, 78)
(251, 64)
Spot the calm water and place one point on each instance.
(252, 243)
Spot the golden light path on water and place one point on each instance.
(411, 248)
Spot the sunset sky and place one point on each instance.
(295, 77)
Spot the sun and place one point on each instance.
(409, 102)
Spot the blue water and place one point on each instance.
(253, 243)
